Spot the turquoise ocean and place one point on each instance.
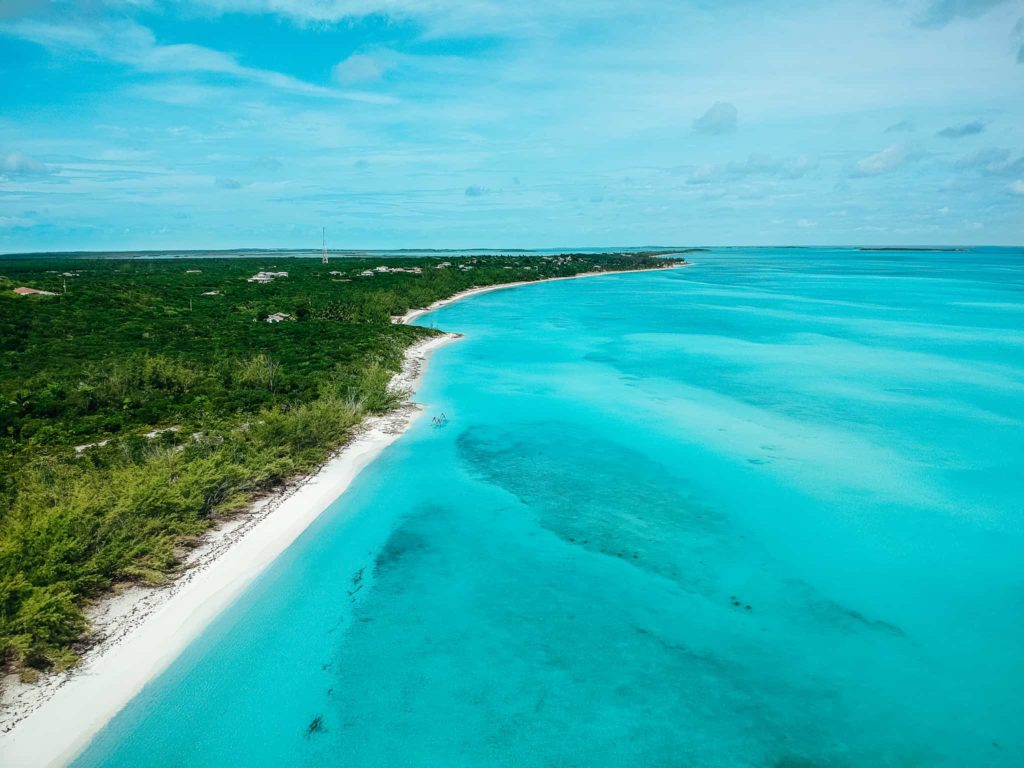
(766, 510)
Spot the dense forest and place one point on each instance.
(143, 399)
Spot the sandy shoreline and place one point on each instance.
(415, 314)
(142, 630)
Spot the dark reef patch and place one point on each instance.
(403, 544)
(832, 612)
(616, 503)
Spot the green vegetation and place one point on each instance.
(188, 404)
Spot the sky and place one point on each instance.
(152, 124)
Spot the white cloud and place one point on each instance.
(1017, 187)
(900, 127)
(720, 118)
(358, 67)
(705, 174)
(18, 163)
(755, 165)
(889, 159)
(569, 118)
(322, 11)
(15, 222)
(439, 17)
(129, 43)
(993, 161)
(960, 131)
(939, 13)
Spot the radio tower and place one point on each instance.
(325, 246)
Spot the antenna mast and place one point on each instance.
(325, 245)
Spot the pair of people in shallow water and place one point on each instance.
(439, 421)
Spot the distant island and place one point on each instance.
(913, 249)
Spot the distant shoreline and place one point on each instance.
(145, 629)
(915, 249)
(339, 253)
(415, 314)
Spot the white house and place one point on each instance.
(266, 277)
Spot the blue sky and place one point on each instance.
(131, 124)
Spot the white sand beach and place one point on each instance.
(141, 631)
(415, 314)
(144, 630)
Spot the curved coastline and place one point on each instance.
(145, 629)
(415, 314)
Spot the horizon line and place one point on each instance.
(564, 249)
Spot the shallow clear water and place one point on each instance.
(763, 511)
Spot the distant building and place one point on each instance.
(366, 273)
(23, 291)
(443, 265)
(278, 317)
(266, 277)
(193, 271)
(212, 293)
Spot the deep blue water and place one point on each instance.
(763, 511)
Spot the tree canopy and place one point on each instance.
(148, 397)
